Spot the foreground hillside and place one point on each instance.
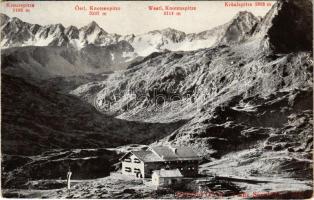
(120, 186)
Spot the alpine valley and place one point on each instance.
(240, 95)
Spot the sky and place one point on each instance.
(133, 17)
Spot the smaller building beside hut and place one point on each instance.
(167, 177)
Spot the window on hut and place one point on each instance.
(128, 169)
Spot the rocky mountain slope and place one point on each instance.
(16, 33)
(256, 94)
(286, 28)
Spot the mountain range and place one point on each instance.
(16, 33)
(32, 51)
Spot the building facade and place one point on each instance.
(142, 163)
(133, 166)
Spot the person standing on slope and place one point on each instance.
(69, 174)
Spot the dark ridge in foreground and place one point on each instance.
(34, 120)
